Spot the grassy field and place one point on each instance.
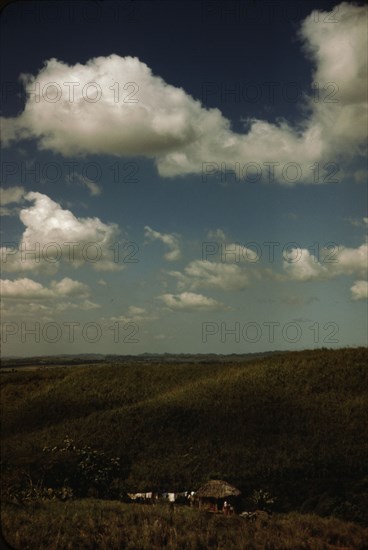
(293, 424)
(108, 525)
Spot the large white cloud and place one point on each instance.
(167, 124)
(339, 52)
(149, 118)
(56, 235)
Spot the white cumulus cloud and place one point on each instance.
(188, 301)
(26, 297)
(154, 119)
(24, 289)
(206, 274)
(332, 263)
(55, 235)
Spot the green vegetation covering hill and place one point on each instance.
(294, 424)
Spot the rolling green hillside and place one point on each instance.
(294, 424)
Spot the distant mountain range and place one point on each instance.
(70, 359)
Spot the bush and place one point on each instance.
(262, 500)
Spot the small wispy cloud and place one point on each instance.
(171, 240)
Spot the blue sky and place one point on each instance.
(190, 176)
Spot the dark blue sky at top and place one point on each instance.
(188, 44)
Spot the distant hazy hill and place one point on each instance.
(70, 359)
(295, 423)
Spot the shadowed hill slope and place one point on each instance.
(295, 423)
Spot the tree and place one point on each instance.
(85, 470)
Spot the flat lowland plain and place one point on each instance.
(293, 424)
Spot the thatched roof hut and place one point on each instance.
(213, 494)
(216, 488)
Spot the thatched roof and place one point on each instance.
(216, 488)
